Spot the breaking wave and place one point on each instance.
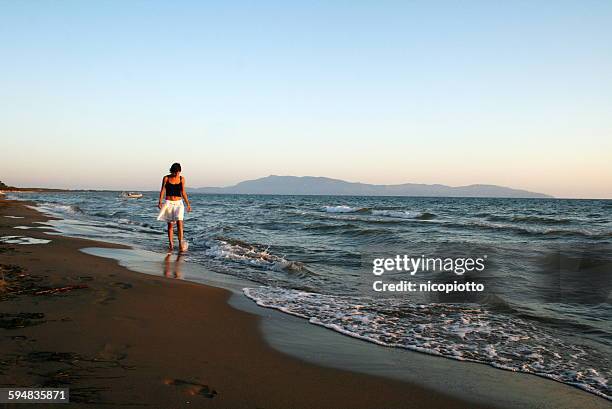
(343, 209)
(399, 214)
(254, 255)
(530, 219)
(61, 208)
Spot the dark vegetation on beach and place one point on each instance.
(6, 188)
(15, 281)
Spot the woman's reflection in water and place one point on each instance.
(173, 269)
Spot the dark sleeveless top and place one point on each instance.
(173, 189)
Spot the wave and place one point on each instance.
(253, 255)
(271, 206)
(142, 226)
(62, 208)
(395, 213)
(343, 209)
(391, 212)
(426, 216)
(530, 219)
(580, 233)
(348, 230)
(457, 331)
(108, 215)
(401, 214)
(117, 220)
(331, 227)
(530, 231)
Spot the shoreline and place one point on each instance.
(465, 380)
(121, 337)
(410, 379)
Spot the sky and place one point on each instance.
(108, 94)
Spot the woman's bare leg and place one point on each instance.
(179, 230)
(170, 236)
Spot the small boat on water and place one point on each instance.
(131, 195)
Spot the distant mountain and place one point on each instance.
(309, 185)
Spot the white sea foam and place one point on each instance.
(402, 214)
(242, 252)
(55, 208)
(458, 331)
(252, 255)
(255, 256)
(341, 209)
(399, 214)
(14, 217)
(22, 240)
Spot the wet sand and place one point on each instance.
(122, 339)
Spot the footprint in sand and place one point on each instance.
(4, 249)
(107, 300)
(104, 296)
(124, 286)
(111, 352)
(21, 319)
(192, 388)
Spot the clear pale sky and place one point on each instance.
(108, 94)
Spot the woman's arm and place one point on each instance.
(184, 194)
(161, 192)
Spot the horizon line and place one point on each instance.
(147, 189)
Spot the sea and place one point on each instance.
(546, 308)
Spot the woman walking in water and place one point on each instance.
(173, 210)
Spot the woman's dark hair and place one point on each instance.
(176, 167)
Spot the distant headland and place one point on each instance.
(310, 185)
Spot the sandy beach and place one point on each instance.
(120, 338)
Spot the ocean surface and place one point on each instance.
(546, 309)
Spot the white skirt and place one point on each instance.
(171, 211)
